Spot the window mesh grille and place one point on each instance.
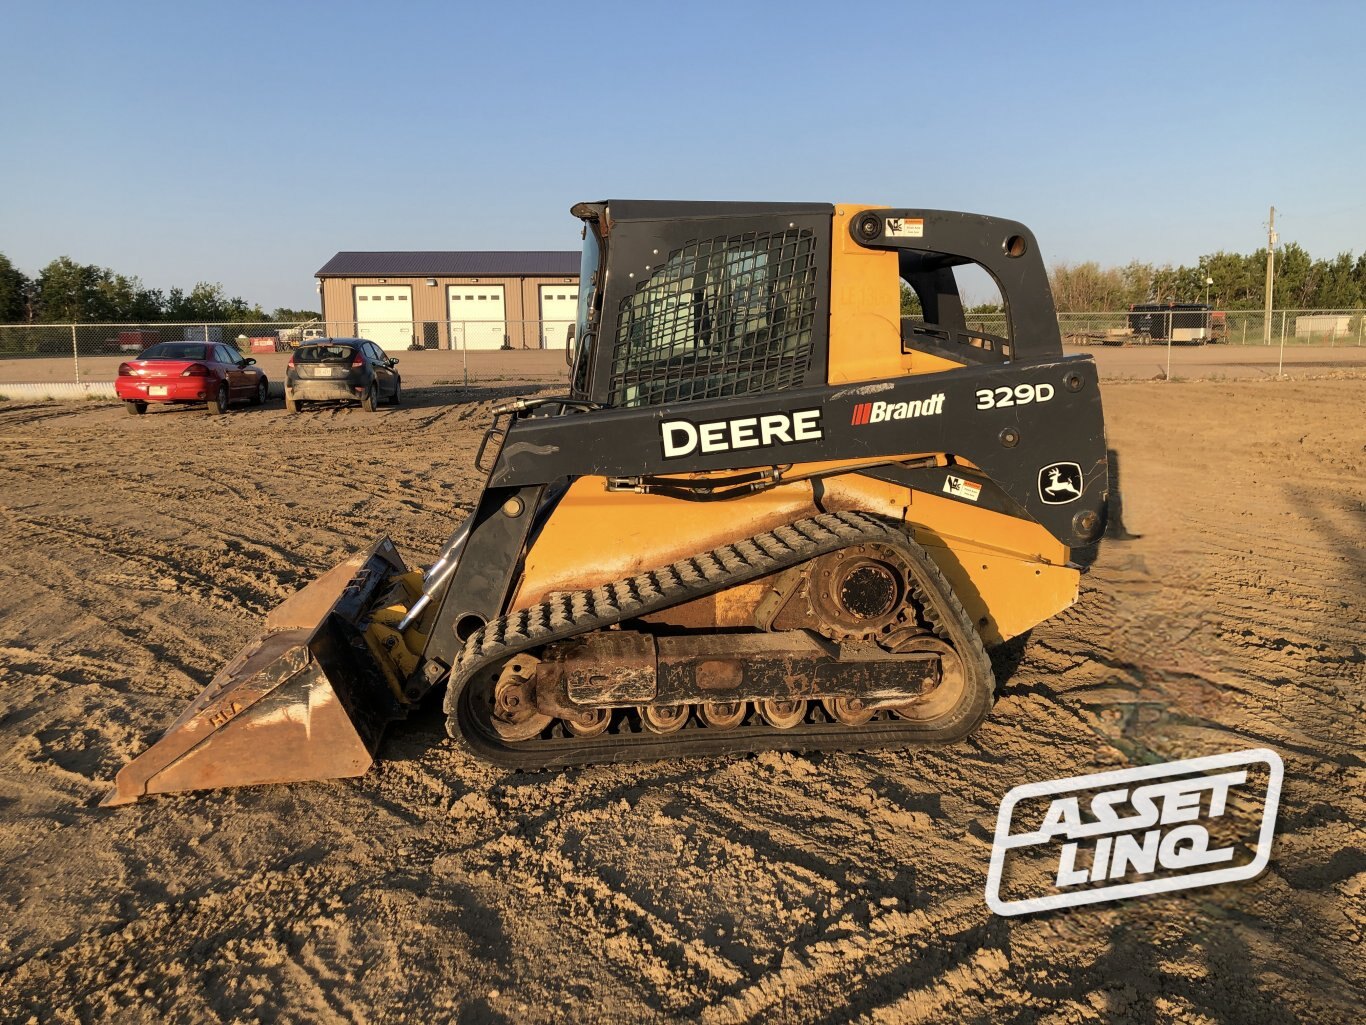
(731, 315)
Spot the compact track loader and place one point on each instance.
(771, 512)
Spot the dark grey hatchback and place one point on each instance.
(332, 369)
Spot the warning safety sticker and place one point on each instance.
(905, 227)
(960, 488)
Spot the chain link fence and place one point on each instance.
(18, 341)
(1231, 327)
(100, 344)
(47, 340)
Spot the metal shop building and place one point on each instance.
(451, 300)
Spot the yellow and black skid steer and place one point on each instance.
(770, 512)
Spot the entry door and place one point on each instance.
(478, 316)
(559, 307)
(384, 314)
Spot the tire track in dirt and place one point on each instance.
(822, 889)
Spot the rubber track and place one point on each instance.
(568, 613)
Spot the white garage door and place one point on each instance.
(384, 314)
(559, 307)
(478, 316)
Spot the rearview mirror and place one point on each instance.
(247, 362)
(393, 362)
(569, 345)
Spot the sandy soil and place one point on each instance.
(137, 554)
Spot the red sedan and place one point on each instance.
(191, 372)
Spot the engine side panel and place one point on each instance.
(1009, 573)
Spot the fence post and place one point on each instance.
(1280, 360)
(1244, 330)
(465, 352)
(75, 354)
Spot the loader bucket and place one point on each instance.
(305, 700)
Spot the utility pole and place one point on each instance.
(1270, 275)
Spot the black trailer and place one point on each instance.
(1179, 323)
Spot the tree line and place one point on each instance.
(1239, 282)
(67, 292)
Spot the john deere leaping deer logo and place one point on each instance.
(1060, 483)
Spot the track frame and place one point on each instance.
(567, 614)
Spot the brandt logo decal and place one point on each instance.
(877, 412)
(1134, 832)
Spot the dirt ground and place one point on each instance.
(136, 554)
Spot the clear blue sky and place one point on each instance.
(247, 142)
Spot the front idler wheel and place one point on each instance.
(515, 717)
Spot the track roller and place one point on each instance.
(782, 714)
(722, 715)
